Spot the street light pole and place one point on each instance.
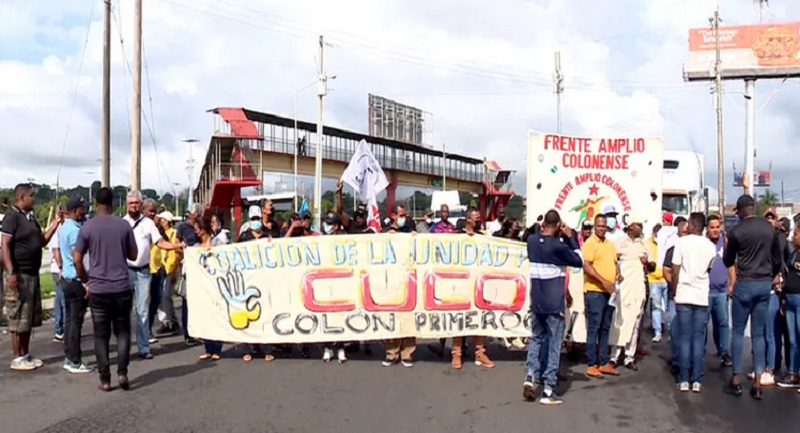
(296, 141)
(190, 167)
(322, 90)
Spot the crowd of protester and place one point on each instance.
(116, 266)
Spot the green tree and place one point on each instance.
(766, 200)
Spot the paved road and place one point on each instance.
(176, 393)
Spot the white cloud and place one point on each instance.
(485, 73)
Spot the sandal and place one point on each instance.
(247, 357)
(205, 356)
(215, 357)
(269, 357)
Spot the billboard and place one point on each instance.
(753, 51)
(581, 177)
(394, 121)
(760, 178)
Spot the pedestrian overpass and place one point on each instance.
(247, 143)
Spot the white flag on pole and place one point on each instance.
(364, 173)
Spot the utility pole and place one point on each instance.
(558, 79)
(750, 136)
(190, 163)
(322, 90)
(783, 198)
(136, 121)
(720, 158)
(105, 127)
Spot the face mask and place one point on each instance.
(429, 221)
(328, 229)
(401, 222)
(612, 223)
(255, 225)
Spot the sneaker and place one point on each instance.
(697, 387)
(407, 363)
(327, 355)
(58, 338)
(38, 363)
(549, 398)
(153, 340)
(657, 338)
(518, 343)
(790, 381)
(341, 355)
(22, 364)
(767, 379)
(726, 360)
(683, 387)
(77, 369)
(389, 362)
(529, 389)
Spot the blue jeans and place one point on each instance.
(599, 316)
(674, 341)
(793, 327)
(693, 324)
(750, 300)
(720, 328)
(140, 280)
(547, 334)
(773, 330)
(59, 312)
(660, 305)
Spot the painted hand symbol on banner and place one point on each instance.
(243, 306)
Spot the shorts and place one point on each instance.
(23, 307)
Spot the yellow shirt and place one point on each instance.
(155, 259)
(602, 255)
(656, 276)
(170, 259)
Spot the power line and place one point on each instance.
(74, 96)
(301, 30)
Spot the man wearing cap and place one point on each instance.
(667, 219)
(614, 232)
(753, 247)
(75, 294)
(634, 256)
(356, 225)
(586, 231)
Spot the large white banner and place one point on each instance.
(582, 177)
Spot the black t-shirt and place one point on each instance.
(26, 241)
(792, 284)
(186, 234)
(248, 236)
(668, 258)
(271, 228)
(352, 229)
(754, 248)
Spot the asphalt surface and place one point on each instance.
(177, 393)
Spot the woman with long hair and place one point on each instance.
(204, 230)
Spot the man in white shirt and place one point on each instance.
(496, 225)
(140, 217)
(691, 263)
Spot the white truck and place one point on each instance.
(453, 202)
(683, 183)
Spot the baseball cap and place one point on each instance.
(360, 210)
(745, 201)
(167, 215)
(75, 202)
(635, 219)
(332, 218)
(610, 210)
(668, 217)
(587, 223)
(770, 211)
(254, 212)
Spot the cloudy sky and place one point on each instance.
(485, 72)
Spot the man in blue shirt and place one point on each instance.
(721, 282)
(75, 301)
(550, 252)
